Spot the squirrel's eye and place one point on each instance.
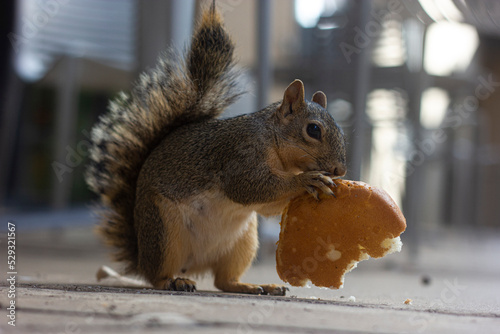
(314, 131)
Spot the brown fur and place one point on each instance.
(176, 92)
(183, 188)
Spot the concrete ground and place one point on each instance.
(454, 284)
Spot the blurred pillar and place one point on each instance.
(65, 131)
(163, 24)
(412, 204)
(361, 90)
(10, 117)
(264, 68)
(181, 23)
(489, 158)
(11, 93)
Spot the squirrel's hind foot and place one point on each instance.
(180, 284)
(253, 289)
(275, 289)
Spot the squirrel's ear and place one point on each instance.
(320, 98)
(292, 99)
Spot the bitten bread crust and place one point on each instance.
(322, 240)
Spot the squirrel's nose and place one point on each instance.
(339, 171)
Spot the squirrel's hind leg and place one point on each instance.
(161, 252)
(229, 269)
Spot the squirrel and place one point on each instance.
(181, 188)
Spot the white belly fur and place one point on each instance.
(213, 224)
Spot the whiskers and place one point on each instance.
(292, 143)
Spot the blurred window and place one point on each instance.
(101, 30)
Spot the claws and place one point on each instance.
(315, 182)
(313, 192)
(180, 284)
(274, 289)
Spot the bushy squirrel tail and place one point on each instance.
(182, 89)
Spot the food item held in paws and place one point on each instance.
(321, 240)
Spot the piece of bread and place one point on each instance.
(320, 241)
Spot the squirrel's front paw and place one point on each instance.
(314, 181)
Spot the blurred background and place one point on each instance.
(414, 84)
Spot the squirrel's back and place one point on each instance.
(179, 91)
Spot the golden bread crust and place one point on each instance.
(322, 240)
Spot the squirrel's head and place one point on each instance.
(309, 138)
